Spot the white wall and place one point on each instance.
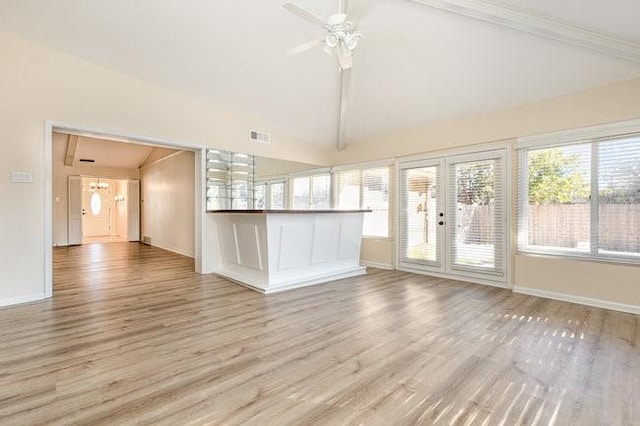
(39, 84)
(167, 193)
(61, 189)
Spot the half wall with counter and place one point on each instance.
(275, 250)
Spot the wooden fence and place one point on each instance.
(563, 226)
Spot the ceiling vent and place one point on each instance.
(261, 137)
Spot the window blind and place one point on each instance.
(366, 189)
(418, 222)
(476, 215)
(581, 199)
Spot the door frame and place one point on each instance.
(204, 235)
(509, 212)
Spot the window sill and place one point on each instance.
(621, 261)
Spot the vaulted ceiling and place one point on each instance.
(446, 59)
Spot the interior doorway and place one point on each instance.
(81, 166)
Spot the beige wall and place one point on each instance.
(38, 84)
(616, 102)
(167, 194)
(618, 284)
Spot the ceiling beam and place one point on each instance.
(72, 149)
(345, 83)
(540, 26)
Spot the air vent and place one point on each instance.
(260, 137)
(87, 160)
(146, 240)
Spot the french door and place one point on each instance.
(452, 217)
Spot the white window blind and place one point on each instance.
(366, 189)
(277, 196)
(476, 215)
(260, 201)
(270, 194)
(581, 199)
(419, 215)
(312, 192)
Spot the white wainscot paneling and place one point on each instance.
(248, 243)
(295, 245)
(350, 239)
(325, 240)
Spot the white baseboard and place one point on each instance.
(22, 299)
(173, 250)
(377, 265)
(597, 303)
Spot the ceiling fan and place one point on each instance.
(340, 38)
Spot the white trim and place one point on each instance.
(582, 134)
(377, 265)
(292, 284)
(48, 209)
(448, 152)
(204, 240)
(364, 165)
(306, 173)
(475, 280)
(9, 301)
(541, 26)
(604, 304)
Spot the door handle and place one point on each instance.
(441, 222)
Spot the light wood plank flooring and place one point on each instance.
(134, 336)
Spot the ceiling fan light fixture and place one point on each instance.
(332, 40)
(351, 40)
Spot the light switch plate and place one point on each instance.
(21, 177)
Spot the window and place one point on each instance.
(582, 199)
(366, 189)
(312, 192)
(95, 203)
(270, 195)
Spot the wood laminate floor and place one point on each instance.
(133, 335)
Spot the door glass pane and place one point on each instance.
(475, 214)
(96, 203)
(420, 211)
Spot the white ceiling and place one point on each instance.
(439, 66)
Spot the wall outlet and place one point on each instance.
(21, 177)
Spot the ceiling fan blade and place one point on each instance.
(357, 10)
(304, 14)
(305, 46)
(380, 37)
(345, 84)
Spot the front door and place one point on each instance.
(96, 208)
